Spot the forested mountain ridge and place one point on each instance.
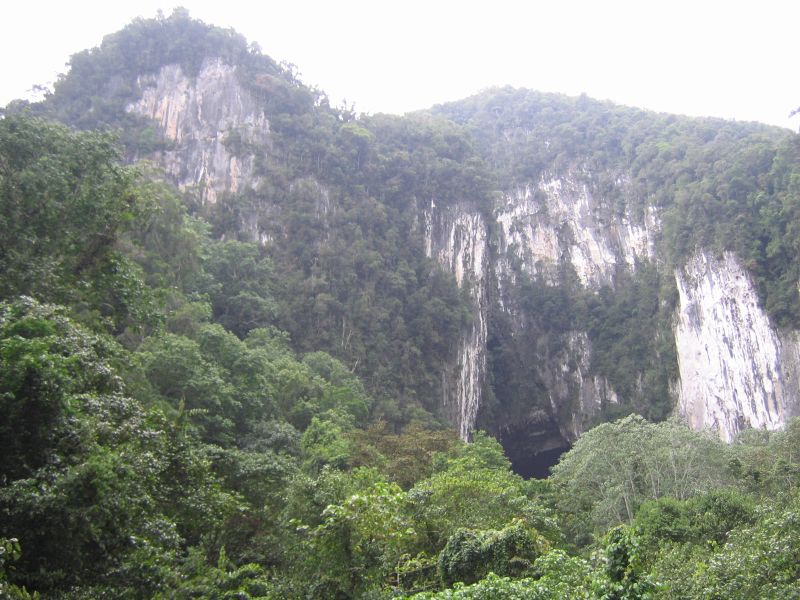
(233, 366)
(577, 232)
(685, 227)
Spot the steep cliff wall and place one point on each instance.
(457, 238)
(537, 231)
(561, 219)
(736, 370)
(207, 118)
(544, 228)
(571, 384)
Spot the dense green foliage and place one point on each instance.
(615, 467)
(189, 414)
(66, 202)
(471, 555)
(149, 450)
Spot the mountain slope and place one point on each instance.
(583, 249)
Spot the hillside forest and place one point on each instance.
(189, 412)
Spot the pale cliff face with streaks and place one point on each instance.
(561, 218)
(737, 371)
(457, 238)
(202, 116)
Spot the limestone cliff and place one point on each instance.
(560, 218)
(209, 119)
(556, 222)
(736, 370)
(457, 238)
(541, 227)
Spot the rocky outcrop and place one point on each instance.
(736, 370)
(574, 385)
(562, 222)
(539, 228)
(213, 124)
(457, 238)
(561, 219)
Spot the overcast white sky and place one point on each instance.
(731, 59)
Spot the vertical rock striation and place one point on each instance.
(457, 238)
(561, 222)
(561, 219)
(209, 119)
(736, 370)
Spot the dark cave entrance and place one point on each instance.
(533, 453)
(537, 465)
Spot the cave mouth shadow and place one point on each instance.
(538, 465)
(532, 455)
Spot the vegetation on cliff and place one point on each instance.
(186, 413)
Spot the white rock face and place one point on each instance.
(560, 219)
(458, 240)
(200, 115)
(736, 370)
(572, 381)
(541, 225)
